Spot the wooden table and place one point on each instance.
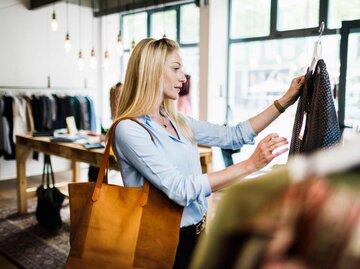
(76, 154)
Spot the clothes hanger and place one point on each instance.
(317, 49)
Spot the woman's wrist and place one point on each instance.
(284, 102)
(279, 107)
(250, 166)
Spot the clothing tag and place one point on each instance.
(302, 130)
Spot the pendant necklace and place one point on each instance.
(163, 122)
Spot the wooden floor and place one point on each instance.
(8, 198)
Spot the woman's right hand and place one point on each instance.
(264, 152)
(293, 92)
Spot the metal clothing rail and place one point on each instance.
(42, 88)
(13, 90)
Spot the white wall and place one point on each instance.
(30, 52)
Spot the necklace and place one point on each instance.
(163, 122)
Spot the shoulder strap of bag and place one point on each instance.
(105, 164)
(47, 172)
(50, 170)
(44, 174)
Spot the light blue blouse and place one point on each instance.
(171, 164)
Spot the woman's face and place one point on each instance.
(174, 76)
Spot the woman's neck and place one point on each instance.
(156, 113)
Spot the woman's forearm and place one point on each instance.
(264, 118)
(223, 178)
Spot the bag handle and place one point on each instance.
(105, 162)
(47, 172)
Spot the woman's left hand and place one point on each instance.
(293, 92)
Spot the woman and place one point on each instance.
(152, 83)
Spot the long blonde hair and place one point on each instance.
(143, 85)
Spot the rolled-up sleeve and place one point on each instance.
(134, 145)
(229, 137)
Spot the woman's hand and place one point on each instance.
(293, 92)
(264, 152)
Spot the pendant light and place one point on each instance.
(163, 17)
(120, 46)
(80, 57)
(133, 40)
(106, 63)
(106, 59)
(93, 62)
(67, 36)
(54, 23)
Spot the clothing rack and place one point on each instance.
(43, 90)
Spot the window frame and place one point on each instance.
(275, 34)
(149, 11)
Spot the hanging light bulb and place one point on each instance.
(106, 59)
(132, 45)
(93, 62)
(80, 61)
(120, 47)
(54, 23)
(67, 43)
(67, 36)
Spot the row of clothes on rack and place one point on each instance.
(40, 114)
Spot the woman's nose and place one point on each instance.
(183, 78)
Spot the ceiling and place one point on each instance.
(105, 7)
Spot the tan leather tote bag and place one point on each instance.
(121, 227)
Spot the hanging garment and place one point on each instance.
(316, 125)
(8, 114)
(29, 115)
(92, 114)
(36, 112)
(5, 146)
(60, 112)
(19, 116)
(84, 113)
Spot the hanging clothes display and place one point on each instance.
(40, 115)
(316, 125)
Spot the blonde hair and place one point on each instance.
(143, 85)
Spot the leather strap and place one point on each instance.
(104, 167)
(279, 107)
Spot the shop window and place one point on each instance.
(342, 10)
(250, 18)
(134, 28)
(352, 110)
(163, 23)
(189, 23)
(297, 14)
(256, 80)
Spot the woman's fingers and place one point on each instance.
(270, 144)
(277, 142)
(267, 150)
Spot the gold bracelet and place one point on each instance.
(279, 107)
